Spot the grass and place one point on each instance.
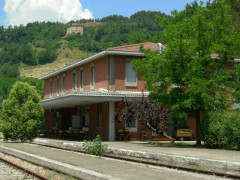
(65, 57)
(199, 167)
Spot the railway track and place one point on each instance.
(10, 170)
(143, 161)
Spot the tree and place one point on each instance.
(193, 82)
(26, 54)
(21, 113)
(9, 70)
(151, 115)
(47, 55)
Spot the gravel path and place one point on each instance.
(9, 173)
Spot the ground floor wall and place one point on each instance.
(61, 119)
(99, 123)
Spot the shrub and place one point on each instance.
(21, 114)
(221, 129)
(94, 147)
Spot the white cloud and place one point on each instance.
(25, 11)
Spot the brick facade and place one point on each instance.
(120, 62)
(101, 79)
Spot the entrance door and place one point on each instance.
(85, 117)
(56, 120)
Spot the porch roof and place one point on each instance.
(88, 97)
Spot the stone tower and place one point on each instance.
(76, 29)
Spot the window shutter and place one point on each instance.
(131, 76)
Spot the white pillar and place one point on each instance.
(111, 121)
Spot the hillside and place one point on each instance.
(65, 57)
(41, 47)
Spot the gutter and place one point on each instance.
(130, 95)
(91, 58)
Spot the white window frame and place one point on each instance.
(51, 88)
(58, 85)
(63, 83)
(131, 84)
(74, 80)
(81, 78)
(132, 129)
(92, 76)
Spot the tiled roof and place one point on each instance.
(135, 47)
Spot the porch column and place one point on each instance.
(111, 121)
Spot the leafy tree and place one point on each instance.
(6, 85)
(9, 70)
(21, 113)
(47, 56)
(221, 129)
(151, 115)
(114, 18)
(26, 55)
(8, 54)
(192, 81)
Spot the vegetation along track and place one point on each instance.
(130, 159)
(27, 171)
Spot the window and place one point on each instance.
(92, 76)
(58, 86)
(131, 126)
(64, 83)
(99, 115)
(74, 80)
(85, 115)
(50, 87)
(81, 78)
(56, 120)
(130, 76)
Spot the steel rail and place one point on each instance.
(226, 175)
(27, 171)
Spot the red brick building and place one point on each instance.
(84, 95)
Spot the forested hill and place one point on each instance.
(39, 43)
(43, 42)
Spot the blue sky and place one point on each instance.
(17, 12)
(101, 8)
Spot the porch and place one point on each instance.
(83, 115)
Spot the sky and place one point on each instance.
(16, 12)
